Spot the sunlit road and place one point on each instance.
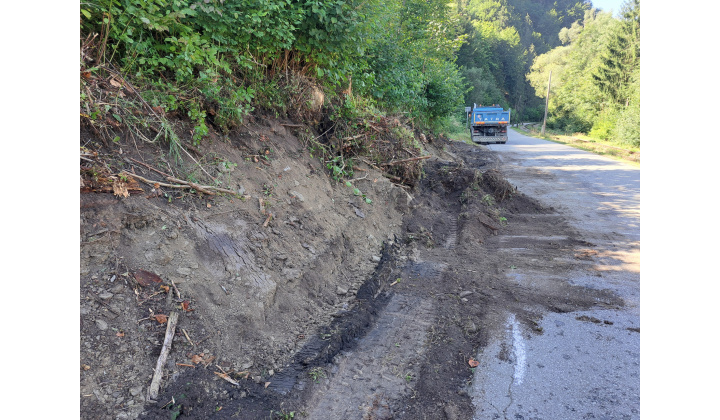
(576, 369)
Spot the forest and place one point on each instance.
(215, 61)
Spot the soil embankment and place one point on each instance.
(302, 294)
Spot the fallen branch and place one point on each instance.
(395, 162)
(202, 189)
(150, 167)
(151, 182)
(167, 344)
(207, 189)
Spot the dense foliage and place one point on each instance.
(595, 76)
(504, 37)
(217, 60)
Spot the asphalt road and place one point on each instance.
(585, 365)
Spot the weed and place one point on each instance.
(502, 220)
(284, 415)
(267, 190)
(316, 374)
(488, 200)
(408, 377)
(340, 167)
(357, 192)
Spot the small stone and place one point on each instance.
(101, 324)
(342, 290)
(241, 190)
(465, 293)
(136, 391)
(464, 300)
(297, 195)
(184, 271)
(105, 295)
(375, 258)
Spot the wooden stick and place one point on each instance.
(150, 167)
(185, 364)
(267, 220)
(207, 189)
(188, 337)
(176, 289)
(406, 160)
(167, 344)
(151, 182)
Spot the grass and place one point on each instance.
(622, 152)
(458, 131)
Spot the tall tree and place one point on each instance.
(621, 57)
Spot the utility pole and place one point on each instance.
(547, 99)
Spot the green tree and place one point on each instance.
(621, 56)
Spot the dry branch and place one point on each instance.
(406, 160)
(167, 344)
(150, 167)
(207, 189)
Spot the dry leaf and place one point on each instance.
(86, 367)
(120, 189)
(227, 378)
(266, 384)
(146, 278)
(160, 318)
(209, 205)
(186, 306)
(115, 83)
(197, 359)
(165, 288)
(473, 363)
(120, 334)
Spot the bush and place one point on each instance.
(603, 126)
(627, 130)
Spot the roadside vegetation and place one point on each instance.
(621, 151)
(177, 72)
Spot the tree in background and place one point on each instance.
(595, 86)
(618, 78)
(503, 39)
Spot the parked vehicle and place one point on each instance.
(488, 124)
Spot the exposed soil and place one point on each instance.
(333, 307)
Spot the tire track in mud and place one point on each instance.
(364, 382)
(452, 235)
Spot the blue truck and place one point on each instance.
(488, 124)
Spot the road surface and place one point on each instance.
(585, 365)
